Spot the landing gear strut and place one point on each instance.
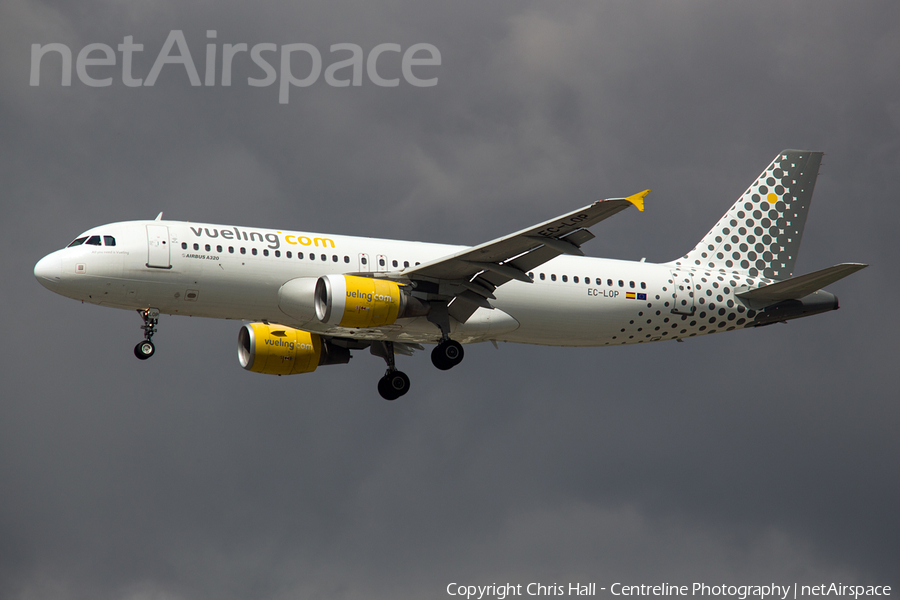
(394, 383)
(146, 349)
(447, 354)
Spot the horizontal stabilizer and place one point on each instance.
(800, 286)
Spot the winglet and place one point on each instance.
(638, 199)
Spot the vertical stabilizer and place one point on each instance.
(761, 232)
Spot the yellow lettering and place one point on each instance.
(305, 240)
(325, 242)
(287, 238)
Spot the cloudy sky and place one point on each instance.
(757, 457)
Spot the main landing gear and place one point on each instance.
(394, 383)
(447, 354)
(146, 349)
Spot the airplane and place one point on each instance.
(309, 299)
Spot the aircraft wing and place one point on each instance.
(471, 276)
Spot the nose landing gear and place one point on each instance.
(146, 349)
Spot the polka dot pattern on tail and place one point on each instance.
(760, 234)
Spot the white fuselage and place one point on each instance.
(228, 272)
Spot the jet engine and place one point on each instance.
(280, 350)
(349, 301)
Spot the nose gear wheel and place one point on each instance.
(146, 349)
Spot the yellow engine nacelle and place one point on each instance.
(278, 350)
(349, 301)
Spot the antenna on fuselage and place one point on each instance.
(158, 217)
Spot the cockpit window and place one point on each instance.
(77, 242)
(94, 240)
(109, 240)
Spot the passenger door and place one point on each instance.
(158, 247)
(683, 283)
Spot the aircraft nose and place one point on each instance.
(48, 271)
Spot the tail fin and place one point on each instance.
(760, 234)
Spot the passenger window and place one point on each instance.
(253, 251)
(644, 285)
(299, 255)
(184, 245)
(324, 257)
(364, 261)
(207, 247)
(599, 281)
(278, 254)
(196, 246)
(312, 256)
(334, 258)
(230, 249)
(381, 262)
(265, 252)
(218, 248)
(631, 284)
(543, 277)
(395, 263)
(609, 282)
(565, 278)
(347, 259)
(553, 277)
(94, 240)
(621, 283)
(243, 250)
(406, 265)
(575, 279)
(109, 240)
(288, 254)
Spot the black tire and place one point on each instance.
(447, 354)
(393, 385)
(144, 350)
